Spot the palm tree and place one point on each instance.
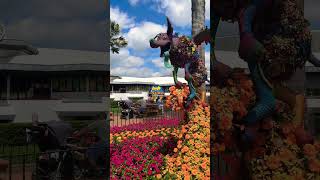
(198, 24)
(116, 42)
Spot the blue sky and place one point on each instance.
(141, 20)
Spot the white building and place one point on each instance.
(56, 84)
(124, 88)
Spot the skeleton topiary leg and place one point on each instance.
(266, 101)
(175, 77)
(188, 77)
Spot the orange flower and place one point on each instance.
(197, 145)
(191, 141)
(184, 149)
(178, 162)
(203, 165)
(314, 165)
(225, 123)
(159, 176)
(286, 155)
(286, 129)
(187, 136)
(175, 93)
(194, 172)
(175, 150)
(195, 136)
(186, 176)
(203, 150)
(186, 159)
(291, 139)
(317, 146)
(309, 150)
(184, 167)
(172, 88)
(273, 162)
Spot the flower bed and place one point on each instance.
(165, 149)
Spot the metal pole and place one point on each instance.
(8, 87)
(10, 162)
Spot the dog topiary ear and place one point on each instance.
(170, 28)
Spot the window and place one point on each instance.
(3, 88)
(313, 92)
(76, 85)
(55, 85)
(68, 84)
(100, 84)
(92, 84)
(83, 86)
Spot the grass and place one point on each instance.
(115, 110)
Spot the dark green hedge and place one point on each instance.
(114, 104)
(14, 133)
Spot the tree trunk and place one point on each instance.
(198, 24)
(301, 4)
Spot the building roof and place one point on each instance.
(48, 56)
(10, 48)
(162, 81)
(59, 60)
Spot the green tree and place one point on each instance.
(116, 41)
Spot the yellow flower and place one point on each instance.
(159, 176)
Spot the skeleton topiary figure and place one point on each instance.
(181, 52)
(275, 41)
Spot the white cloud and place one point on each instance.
(122, 18)
(138, 36)
(158, 62)
(125, 64)
(124, 59)
(179, 11)
(133, 71)
(133, 2)
(163, 71)
(207, 11)
(207, 60)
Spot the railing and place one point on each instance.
(17, 162)
(134, 92)
(21, 162)
(120, 117)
